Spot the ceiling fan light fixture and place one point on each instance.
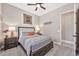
(38, 5)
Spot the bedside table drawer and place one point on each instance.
(11, 42)
(10, 46)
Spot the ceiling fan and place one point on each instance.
(37, 6)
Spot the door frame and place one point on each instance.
(64, 12)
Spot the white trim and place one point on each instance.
(68, 45)
(67, 11)
(58, 43)
(69, 42)
(60, 29)
(74, 28)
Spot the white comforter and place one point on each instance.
(34, 42)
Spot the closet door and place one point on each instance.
(68, 26)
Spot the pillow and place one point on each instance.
(27, 33)
(23, 33)
(30, 33)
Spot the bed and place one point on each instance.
(35, 45)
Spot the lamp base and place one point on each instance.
(6, 36)
(11, 33)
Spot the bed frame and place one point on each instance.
(40, 52)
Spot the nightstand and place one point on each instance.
(39, 33)
(10, 43)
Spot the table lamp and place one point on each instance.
(12, 29)
(37, 29)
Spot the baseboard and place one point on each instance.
(68, 44)
(65, 41)
(58, 43)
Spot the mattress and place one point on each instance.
(34, 43)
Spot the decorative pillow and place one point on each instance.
(27, 33)
(30, 33)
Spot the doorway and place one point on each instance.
(67, 29)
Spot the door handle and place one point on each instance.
(74, 35)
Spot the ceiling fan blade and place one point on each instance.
(43, 7)
(31, 4)
(40, 3)
(36, 8)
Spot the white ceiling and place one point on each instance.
(49, 7)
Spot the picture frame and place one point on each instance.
(27, 19)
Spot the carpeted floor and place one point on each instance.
(60, 51)
(56, 51)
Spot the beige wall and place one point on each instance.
(0, 9)
(1, 22)
(53, 29)
(14, 16)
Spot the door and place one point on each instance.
(67, 23)
(77, 31)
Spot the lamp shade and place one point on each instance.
(11, 28)
(37, 28)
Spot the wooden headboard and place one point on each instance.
(25, 29)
